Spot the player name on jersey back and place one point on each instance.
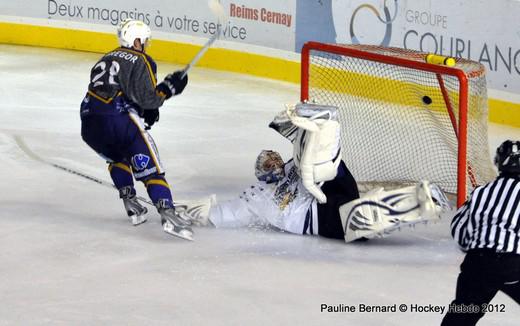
(124, 55)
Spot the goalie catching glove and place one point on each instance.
(317, 151)
(173, 84)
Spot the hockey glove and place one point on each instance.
(173, 84)
(150, 117)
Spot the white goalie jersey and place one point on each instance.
(286, 204)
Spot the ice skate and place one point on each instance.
(172, 222)
(136, 212)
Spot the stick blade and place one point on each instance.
(218, 10)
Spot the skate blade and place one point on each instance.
(136, 218)
(136, 222)
(183, 233)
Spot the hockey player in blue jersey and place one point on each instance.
(121, 105)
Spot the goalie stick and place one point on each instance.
(218, 11)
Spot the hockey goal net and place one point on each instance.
(403, 120)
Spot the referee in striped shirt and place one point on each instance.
(487, 228)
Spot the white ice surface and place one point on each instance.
(68, 255)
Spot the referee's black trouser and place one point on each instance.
(483, 273)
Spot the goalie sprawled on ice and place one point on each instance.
(315, 193)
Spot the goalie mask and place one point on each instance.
(507, 158)
(130, 29)
(269, 166)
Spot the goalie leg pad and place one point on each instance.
(381, 212)
(197, 211)
(317, 151)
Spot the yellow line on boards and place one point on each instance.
(170, 51)
(217, 58)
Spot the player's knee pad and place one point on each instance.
(143, 153)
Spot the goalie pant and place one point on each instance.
(287, 205)
(487, 226)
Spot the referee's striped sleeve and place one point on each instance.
(490, 219)
(459, 226)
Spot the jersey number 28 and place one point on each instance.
(112, 73)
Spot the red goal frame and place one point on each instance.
(460, 128)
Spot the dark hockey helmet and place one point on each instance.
(507, 158)
(269, 166)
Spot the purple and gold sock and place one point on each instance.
(121, 175)
(158, 188)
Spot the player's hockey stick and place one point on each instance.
(201, 52)
(36, 157)
(218, 11)
(196, 210)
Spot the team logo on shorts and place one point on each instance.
(140, 161)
